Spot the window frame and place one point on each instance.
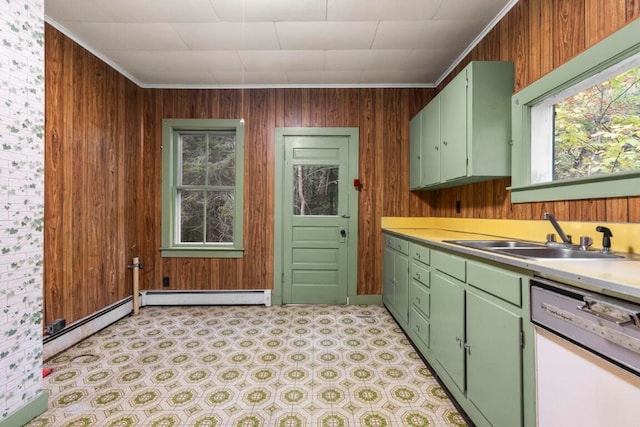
(612, 50)
(170, 169)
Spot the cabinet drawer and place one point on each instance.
(420, 298)
(402, 246)
(389, 241)
(420, 253)
(419, 326)
(420, 273)
(452, 265)
(497, 282)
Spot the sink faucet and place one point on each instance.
(564, 237)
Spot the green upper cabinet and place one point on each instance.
(415, 152)
(431, 143)
(466, 128)
(453, 128)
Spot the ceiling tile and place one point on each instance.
(160, 77)
(128, 36)
(287, 60)
(271, 10)
(424, 34)
(387, 59)
(73, 10)
(252, 78)
(134, 60)
(358, 10)
(200, 60)
(326, 35)
(391, 76)
(159, 11)
(484, 10)
(229, 35)
(345, 77)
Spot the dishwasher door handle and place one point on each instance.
(632, 318)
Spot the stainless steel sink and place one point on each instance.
(530, 250)
(555, 253)
(494, 244)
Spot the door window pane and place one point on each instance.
(315, 190)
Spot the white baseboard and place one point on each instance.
(89, 325)
(85, 327)
(248, 297)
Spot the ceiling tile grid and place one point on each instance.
(233, 43)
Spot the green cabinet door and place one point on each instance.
(388, 283)
(447, 326)
(415, 152)
(401, 300)
(494, 361)
(431, 142)
(453, 128)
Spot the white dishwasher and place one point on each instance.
(587, 357)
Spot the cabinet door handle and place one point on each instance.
(437, 148)
(467, 346)
(459, 341)
(445, 142)
(418, 299)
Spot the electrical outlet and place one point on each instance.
(165, 282)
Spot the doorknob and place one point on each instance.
(343, 232)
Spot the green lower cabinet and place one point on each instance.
(494, 360)
(469, 318)
(447, 326)
(395, 286)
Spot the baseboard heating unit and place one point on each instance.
(249, 297)
(85, 327)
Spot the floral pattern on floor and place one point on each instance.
(299, 365)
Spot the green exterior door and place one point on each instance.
(453, 130)
(447, 326)
(494, 361)
(316, 217)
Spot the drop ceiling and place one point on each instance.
(276, 43)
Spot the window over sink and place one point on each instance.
(576, 131)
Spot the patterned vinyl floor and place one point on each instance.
(287, 366)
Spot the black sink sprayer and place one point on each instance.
(606, 238)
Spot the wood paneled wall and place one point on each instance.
(92, 149)
(103, 160)
(382, 115)
(538, 36)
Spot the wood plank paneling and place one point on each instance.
(103, 160)
(90, 193)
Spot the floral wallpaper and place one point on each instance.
(21, 201)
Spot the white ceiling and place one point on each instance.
(274, 43)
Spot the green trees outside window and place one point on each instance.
(597, 131)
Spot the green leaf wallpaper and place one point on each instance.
(21, 201)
